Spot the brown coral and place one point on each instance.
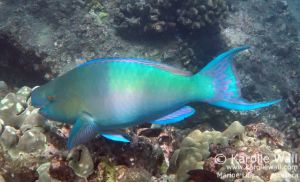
(161, 16)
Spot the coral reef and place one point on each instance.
(293, 102)
(58, 169)
(34, 146)
(271, 29)
(80, 160)
(41, 39)
(199, 175)
(290, 125)
(3, 86)
(50, 39)
(182, 53)
(162, 16)
(237, 154)
(194, 149)
(22, 138)
(31, 145)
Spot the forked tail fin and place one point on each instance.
(226, 85)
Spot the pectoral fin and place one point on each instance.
(115, 137)
(176, 116)
(83, 130)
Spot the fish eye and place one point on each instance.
(51, 98)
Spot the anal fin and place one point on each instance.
(176, 116)
(115, 137)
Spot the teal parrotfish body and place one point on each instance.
(103, 96)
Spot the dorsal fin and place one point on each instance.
(139, 61)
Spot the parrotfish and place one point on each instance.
(104, 96)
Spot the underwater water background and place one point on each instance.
(43, 39)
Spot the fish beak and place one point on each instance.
(38, 99)
(35, 88)
(43, 111)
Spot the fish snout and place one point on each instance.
(38, 98)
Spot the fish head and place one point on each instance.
(42, 96)
(59, 111)
(54, 104)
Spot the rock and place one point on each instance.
(107, 171)
(225, 153)
(282, 5)
(3, 86)
(23, 94)
(262, 19)
(80, 160)
(51, 47)
(262, 130)
(188, 158)
(141, 152)
(60, 170)
(1, 126)
(134, 174)
(194, 149)
(43, 171)
(2, 179)
(148, 16)
(12, 107)
(23, 135)
(149, 132)
(33, 120)
(32, 140)
(9, 137)
(293, 104)
(200, 175)
(250, 179)
(283, 176)
(231, 165)
(23, 139)
(164, 178)
(234, 130)
(19, 175)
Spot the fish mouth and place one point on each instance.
(37, 104)
(43, 111)
(38, 100)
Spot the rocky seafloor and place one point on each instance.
(42, 39)
(33, 148)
